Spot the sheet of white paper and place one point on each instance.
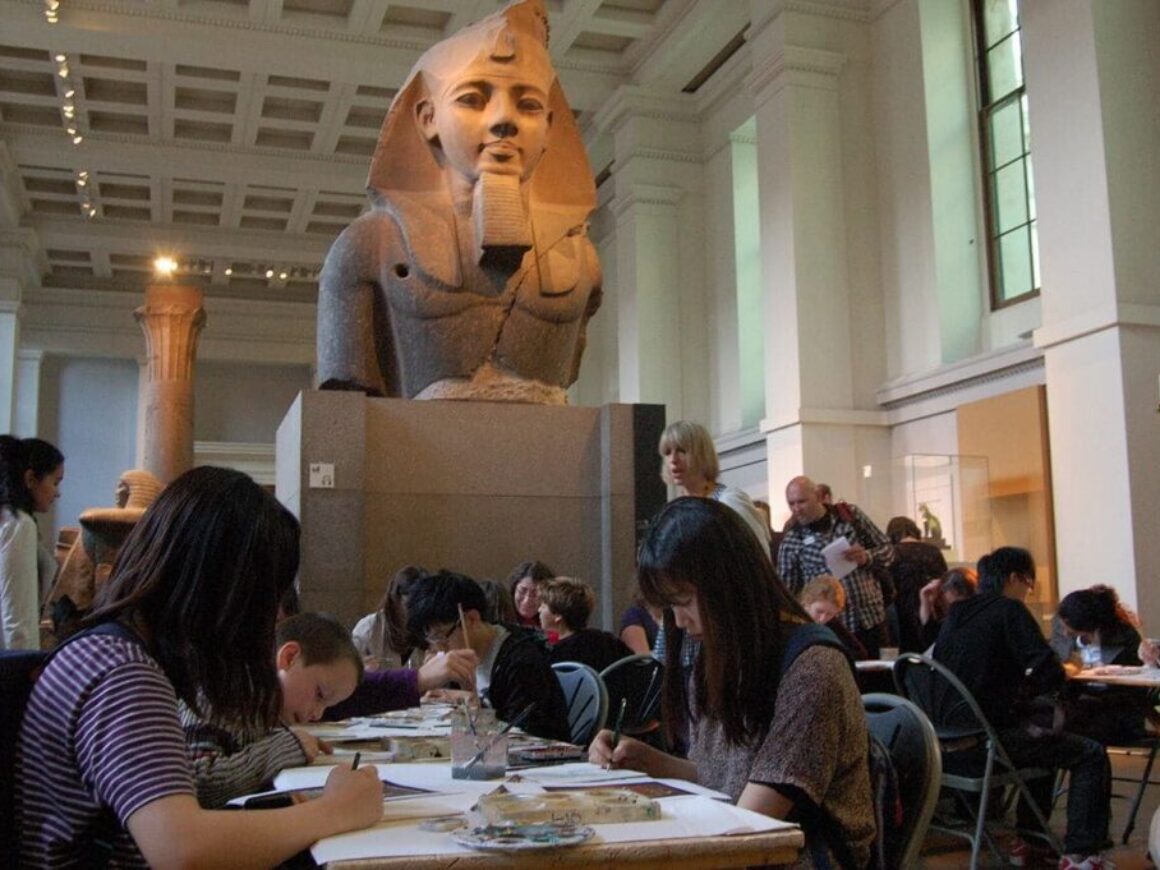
(682, 818)
(578, 772)
(832, 553)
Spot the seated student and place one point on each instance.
(638, 626)
(513, 671)
(524, 582)
(318, 666)
(102, 775)
(992, 643)
(381, 637)
(565, 606)
(782, 744)
(936, 598)
(823, 598)
(1092, 628)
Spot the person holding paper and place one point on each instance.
(837, 539)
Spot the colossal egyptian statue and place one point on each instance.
(472, 276)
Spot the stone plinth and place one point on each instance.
(172, 319)
(475, 487)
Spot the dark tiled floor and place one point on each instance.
(943, 853)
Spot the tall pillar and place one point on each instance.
(1092, 80)
(9, 342)
(172, 319)
(659, 258)
(812, 424)
(26, 416)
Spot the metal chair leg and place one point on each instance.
(1139, 796)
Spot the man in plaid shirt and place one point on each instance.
(800, 558)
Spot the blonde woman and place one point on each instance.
(689, 463)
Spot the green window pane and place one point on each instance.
(1006, 127)
(1010, 197)
(1036, 280)
(1032, 214)
(1000, 17)
(1005, 68)
(1015, 274)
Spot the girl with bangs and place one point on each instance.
(782, 736)
(102, 775)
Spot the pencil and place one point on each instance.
(619, 722)
(463, 622)
(354, 764)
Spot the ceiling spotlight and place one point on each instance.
(51, 17)
(69, 111)
(229, 271)
(283, 276)
(269, 273)
(52, 5)
(165, 266)
(81, 182)
(77, 140)
(72, 131)
(69, 94)
(62, 71)
(60, 58)
(92, 211)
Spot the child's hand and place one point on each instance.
(454, 666)
(354, 796)
(451, 696)
(311, 745)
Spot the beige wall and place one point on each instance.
(1011, 432)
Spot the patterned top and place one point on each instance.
(800, 559)
(816, 743)
(227, 764)
(81, 751)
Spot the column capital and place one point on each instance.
(794, 65)
(629, 102)
(634, 194)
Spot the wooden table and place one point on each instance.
(776, 848)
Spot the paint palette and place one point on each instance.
(523, 838)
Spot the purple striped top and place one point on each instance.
(101, 730)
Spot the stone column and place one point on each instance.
(1092, 80)
(26, 416)
(815, 338)
(9, 342)
(658, 241)
(172, 319)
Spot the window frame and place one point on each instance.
(986, 109)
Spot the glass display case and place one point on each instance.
(947, 497)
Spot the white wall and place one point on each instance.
(89, 410)
(243, 403)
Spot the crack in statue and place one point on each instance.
(472, 276)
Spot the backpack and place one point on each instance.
(817, 824)
(19, 670)
(883, 576)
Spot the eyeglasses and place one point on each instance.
(442, 638)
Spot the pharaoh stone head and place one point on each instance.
(486, 100)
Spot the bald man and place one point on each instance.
(800, 557)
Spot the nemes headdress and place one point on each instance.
(513, 41)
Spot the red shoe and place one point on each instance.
(1091, 862)
(1025, 854)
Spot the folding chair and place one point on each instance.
(973, 759)
(637, 680)
(587, 700)
(1145, 748)
(914, 748)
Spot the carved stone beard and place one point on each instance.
(503, 233)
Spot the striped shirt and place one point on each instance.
(800, 559)
(101, 731)
(228, 764)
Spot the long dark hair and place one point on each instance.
(18, 456)
(14, 494)
(393, 606)
(701, 546)
(202, 573)
(1095, 609)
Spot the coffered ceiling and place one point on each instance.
(236, 134)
